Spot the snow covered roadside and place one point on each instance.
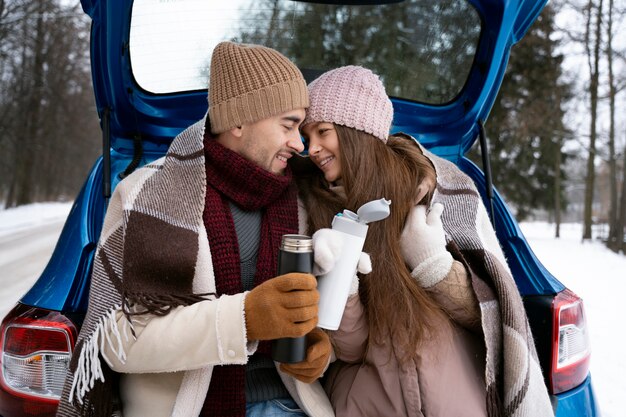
(28, 235)
(598, 276)
(24, 217)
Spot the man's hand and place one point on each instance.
(317, 357)
(285, 306)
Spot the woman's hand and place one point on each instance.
(327, 248)
(423, 243)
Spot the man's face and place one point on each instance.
(271, 142)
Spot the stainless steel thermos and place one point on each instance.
(295, 255)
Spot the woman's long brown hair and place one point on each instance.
(397, 307)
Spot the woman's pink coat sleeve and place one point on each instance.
(350, 340)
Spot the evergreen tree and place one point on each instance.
(526, 125)
(389, 40)
(525, 128)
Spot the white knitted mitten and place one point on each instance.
(423, 244)
(327, 247)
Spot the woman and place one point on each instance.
(417, 338)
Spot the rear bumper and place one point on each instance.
(577, 402)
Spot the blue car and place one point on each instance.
(442, 63)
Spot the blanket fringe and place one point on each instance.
(89, 368)
(158, 304)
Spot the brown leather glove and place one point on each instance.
(285, 306)
(317, 355)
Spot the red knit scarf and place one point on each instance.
(231, 177)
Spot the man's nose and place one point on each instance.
(296, 144)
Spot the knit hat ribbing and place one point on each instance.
(249, 83)
(351, 96)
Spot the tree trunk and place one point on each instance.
(24, 91)
(621, 223)
(612, 241)
(557, 189)
(23, 191)
(273, 23)
(593, 92)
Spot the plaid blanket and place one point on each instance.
(164, 200)
(515, 385)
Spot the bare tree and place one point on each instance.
(621, 223)
(594, 71)
(21, 188)
(49, 130)
(614, 241)
(558, 162)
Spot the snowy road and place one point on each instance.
(24, 253)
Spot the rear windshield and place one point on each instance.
(422, 49)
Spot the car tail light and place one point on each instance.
(570, 343)
(35, 350)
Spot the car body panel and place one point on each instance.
(579, 401)
(65, 280)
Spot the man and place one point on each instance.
(184, 295)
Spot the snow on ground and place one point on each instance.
(28, 235)
(25, 217)
(590, 270)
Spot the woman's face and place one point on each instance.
(324, 148)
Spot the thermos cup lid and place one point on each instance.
(373, 211)
(296, 243)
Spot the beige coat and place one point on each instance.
(446, 380)
(151, 383)
(159, 374)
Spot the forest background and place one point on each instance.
(558, 120)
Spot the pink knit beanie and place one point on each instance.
(351, 96)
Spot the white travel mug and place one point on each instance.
(334, 286)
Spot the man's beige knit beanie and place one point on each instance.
(249, 83)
